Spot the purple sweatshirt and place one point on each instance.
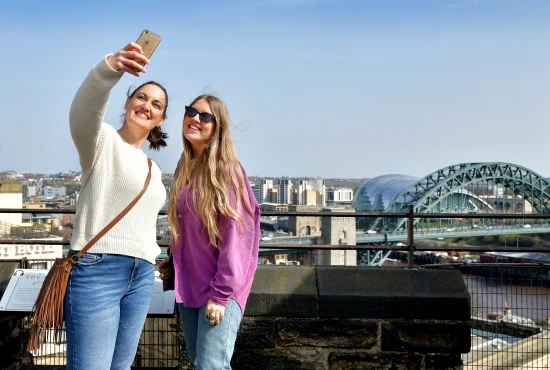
(204, 272)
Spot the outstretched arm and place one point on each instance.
(90, 101)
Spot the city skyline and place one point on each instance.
(315, 88)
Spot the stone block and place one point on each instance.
(278, 359)
(283, 291)
(373, 361)
(426, 337)
(328, 333)
(443, 362)
(10, 341)
(256, 333)
(390, 293)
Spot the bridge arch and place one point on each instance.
(438, 192)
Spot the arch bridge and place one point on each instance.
(487, 188)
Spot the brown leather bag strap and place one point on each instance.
(117, 218)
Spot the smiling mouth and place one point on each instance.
(142, 115)
(194, 128)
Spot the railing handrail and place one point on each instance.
(325, 214)
(410, 247)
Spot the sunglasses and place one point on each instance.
(203, 117)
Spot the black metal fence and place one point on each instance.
(510, 317)
(158, 346)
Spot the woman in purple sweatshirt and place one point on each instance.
(215, 220)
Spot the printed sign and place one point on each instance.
(34, 251)
(22, 290)
(162, 302)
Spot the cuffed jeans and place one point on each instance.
(106, 304)
(210, 347)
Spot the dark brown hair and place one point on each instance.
(156, 137)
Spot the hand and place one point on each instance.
(127, 59)
(214, 312)
(165, 269)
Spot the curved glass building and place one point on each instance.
(377, 193)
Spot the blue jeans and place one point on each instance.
(105, 307)
(210, 347)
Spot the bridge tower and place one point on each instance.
(304, 225)
(337, 231)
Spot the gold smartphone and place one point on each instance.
(148, 41)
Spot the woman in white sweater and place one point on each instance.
(110, 288)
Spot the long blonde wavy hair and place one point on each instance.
(212, 175)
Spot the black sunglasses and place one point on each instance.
(203, 117)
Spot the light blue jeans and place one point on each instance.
(210, 347)
(106, 304)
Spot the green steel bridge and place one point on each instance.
(473, 188)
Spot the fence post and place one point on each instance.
(410, 232)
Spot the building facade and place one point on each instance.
(264, 186)
(284, 187)
(339, 195)
(11, 196)
(318, 185)
(50, 191)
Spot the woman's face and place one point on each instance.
(196, 131)
(145, 109)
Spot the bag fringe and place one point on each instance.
(48, 308)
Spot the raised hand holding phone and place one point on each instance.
(130, 59)
(134, 56)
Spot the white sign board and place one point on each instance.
(25, 284)
(22, 290)
(162, 302)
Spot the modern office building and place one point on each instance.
(284, 187)
(318, 185)
(264, 185)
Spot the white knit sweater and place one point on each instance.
(113, 174)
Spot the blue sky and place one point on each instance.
(331, 88)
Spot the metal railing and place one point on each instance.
(510, 301)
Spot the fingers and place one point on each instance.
(133, 46)
(165, 270)
(214, 315)
(130, 59)
(165, 274)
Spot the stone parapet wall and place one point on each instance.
(10, 340)
(339, 317)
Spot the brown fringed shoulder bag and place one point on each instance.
(48, 308)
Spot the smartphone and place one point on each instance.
(148, 41)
